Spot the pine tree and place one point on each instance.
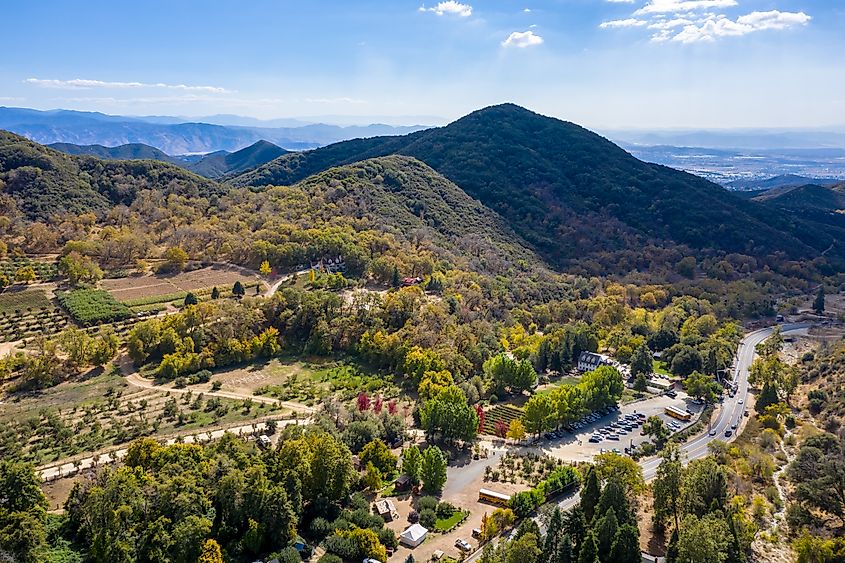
(818, 304)
(605, 530)
(394, 280)
(589, 551)
(190, 299)
(565, 553)
(768, 396)
(215, 293)
(550, 547)
(590, 494)
(626, 545)
(238, 289)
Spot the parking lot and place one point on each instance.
(618, 429)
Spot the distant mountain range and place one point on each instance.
(579, 202)
(759, 139)
(781, 181)
(172, 136)
(213, 165)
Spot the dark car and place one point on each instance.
(728, 433)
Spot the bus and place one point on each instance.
(675, 412)
(486, 495)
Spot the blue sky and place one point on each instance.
(601, 63)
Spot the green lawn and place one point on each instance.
(659, 366)
(446, 524)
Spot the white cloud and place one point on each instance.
(676, 6)
(670, 24)
(522, 39)
(721, 26)
(85, 84)
(449, 7)
(527, 10)
(630, 22)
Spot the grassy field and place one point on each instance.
(307, 382)
(103, 410)
(660, 367)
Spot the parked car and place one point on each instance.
(476, 533)
(613, 437)
(595, 438)
(463, 545)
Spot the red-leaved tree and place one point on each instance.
(480, 412)
(501, 428)
(363, 401)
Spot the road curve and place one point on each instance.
(274, 287)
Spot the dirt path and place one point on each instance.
(134, 378)
(274, 287)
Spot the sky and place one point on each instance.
(605, 64)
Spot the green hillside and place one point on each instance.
(817, 203)
(222, 164)
(406, 198)
(571, 193)
(43, 182)
(130, 151)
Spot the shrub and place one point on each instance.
(320, 528)
(445, 510)
(428, 518)
(413, 517)
(427, 503)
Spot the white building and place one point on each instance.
(588, 361)
(413, 536)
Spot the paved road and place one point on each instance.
(730, 411)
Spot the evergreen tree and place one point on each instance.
(191, 299)
(590, 494)
(605, 530)
(589, 552)
(818, 304)
(238, 289)
(641, 361)
(768, 396)
(672, 548)
(553, 532)
(565, 552)
(575, 526)
(626, 545)
(215, 293)
(613, 497)
(394, 279)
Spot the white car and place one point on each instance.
(463, 545)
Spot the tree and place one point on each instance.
(395, 280)
(191, 299)
(818, 472)
(372, 477)
(210, 552)
(238, 289)
(377, 453)
(449, 416)
(704, 539)
(215, 293)
(524, 549)
(433, 470)
(175, 259)
(264, 269)
(667, 485)
(25, 274)
(621, 469)
(537, 414)
(23, 511)
(641, 361)
(656, 430)
(433, 382)
(685, 361)
(78, 268)
(702, 387)
(590, 493)
(626, 545)
(640, 383)
(768, 396)
(412, 463)
(704, 487)
(818, 302)
(516, 430)
(509, 374)
(605, 528)
(614, 497)
(589, 552)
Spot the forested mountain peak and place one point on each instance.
(573, 194)
(41, 182)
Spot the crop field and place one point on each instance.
(148, 290)
(93, 306)
(103, 410)
(500, 413)
(28, 313)
(44, 271)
